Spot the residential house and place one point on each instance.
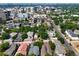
(71, 35)
(11, 51)
(75, 47)
(33, 50)
(46, 49)
(30, 36)
(22, 49)
(18, 38)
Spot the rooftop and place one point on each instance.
(34, 50)
(11, 50)
(72, 33)
(75, 45)
(22, 49)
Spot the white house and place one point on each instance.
(71, 35)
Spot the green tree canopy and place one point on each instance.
(39, 43)
(14, 37)
(52, 45)
(43, 35)
(61, 40)
(25, 29)
(68, 25)
(5, 36)
(4, 46)
(24, 35)
(42, 31)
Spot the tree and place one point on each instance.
(38, 43)
(56, 20)
(42, 27)
(42, 31)
(7, 30)
(14, 37)
(15, 30)
(24, 35)
(22, 29)
(68, 25)
(43, 35)
(34, 29)
(4, 46)
(60, 19)
(25, 29)
(5, 36)
(52, 45)
(61, 40)
(70, 53)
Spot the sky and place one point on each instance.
(39, 1)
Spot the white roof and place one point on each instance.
(72, 35)
(13, 34)
(30, 33)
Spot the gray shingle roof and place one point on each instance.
(72, 33)
(19, 38)
(34, 50)
(10, 50)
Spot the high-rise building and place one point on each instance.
(2, 16)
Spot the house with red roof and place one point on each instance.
(22, 49)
